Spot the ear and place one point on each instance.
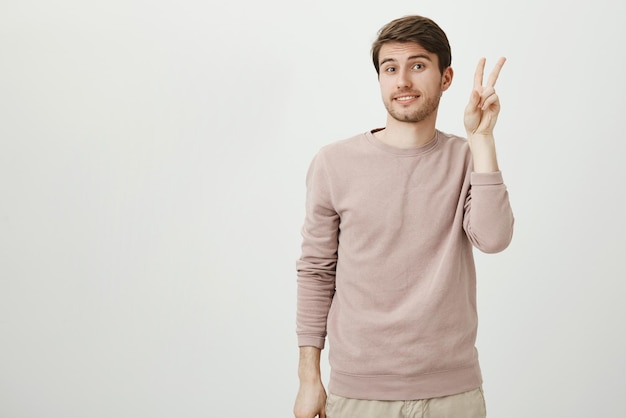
(446, 78)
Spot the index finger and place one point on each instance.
(478, 75)
(493, 77)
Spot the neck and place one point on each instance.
(407, 134)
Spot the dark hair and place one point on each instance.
(418, 29)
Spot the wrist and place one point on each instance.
(483, 151)
(309, 365)
(480, 137)
(309, 374)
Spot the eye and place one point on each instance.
(417, 66)
(390, 69)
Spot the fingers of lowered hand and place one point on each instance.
(300, 414)
(308, 411)
(310, 402)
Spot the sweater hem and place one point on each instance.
(405, 388)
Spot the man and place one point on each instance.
(387, 268)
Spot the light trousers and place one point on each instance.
(463, 405)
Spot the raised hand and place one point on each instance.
(482, 110)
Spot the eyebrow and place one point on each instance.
(412, 57)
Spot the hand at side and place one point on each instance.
(311, 398)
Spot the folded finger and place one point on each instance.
(484, 94)
(491, 100)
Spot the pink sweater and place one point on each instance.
(387, 267)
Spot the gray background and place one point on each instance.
(152, 163)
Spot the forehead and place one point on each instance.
(401, 51)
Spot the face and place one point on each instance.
(410, 82)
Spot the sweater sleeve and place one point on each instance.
(317, 263)
(488, 218)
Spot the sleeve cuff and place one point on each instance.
(304, 341)
(486, 179)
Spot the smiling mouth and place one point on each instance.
(405, 98)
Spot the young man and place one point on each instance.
(387, 268)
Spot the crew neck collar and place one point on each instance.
(423, 149)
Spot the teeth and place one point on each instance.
(405, 98)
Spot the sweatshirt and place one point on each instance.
(386, 270)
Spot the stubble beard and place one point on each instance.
(413, 116)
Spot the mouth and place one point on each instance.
(405, 98)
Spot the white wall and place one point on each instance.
(152, 161)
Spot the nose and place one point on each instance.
(403, 80)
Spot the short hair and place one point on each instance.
(418, 29)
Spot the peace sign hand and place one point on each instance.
(482, 110)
